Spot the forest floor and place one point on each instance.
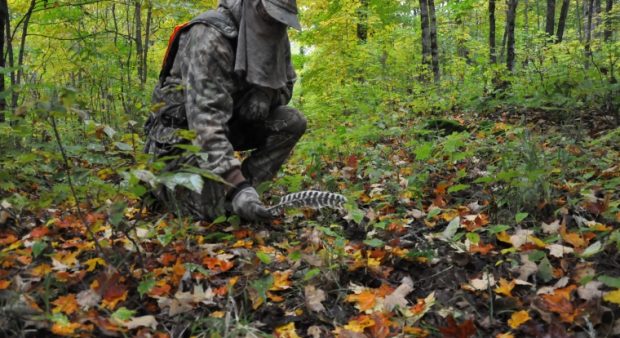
(479, 227)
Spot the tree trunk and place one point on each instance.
(138, 39)
(362, 25)
(426, 33)
(4, 11)
(149, 20)
(550, 17)
(607, 34)
(578, 21)
(492, 54)
(434, 43)
(511, 16)
(562, 21)
(588, 31)
(22, 52)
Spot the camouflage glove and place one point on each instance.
(258, 104)
(246, 204)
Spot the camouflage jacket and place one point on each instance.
(201, 92)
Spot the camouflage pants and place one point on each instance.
(271, 142)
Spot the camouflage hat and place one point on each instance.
(284, 11)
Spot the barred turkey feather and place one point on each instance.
(310, 199)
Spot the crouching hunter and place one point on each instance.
(227, 77)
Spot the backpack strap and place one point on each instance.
(216, 19)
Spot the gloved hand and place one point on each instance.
(247, 205)
(258, 104)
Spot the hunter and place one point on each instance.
(227, 76)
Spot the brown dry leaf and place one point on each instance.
(88, 298)
(144, 321)
(557, 250)
(314, 298)
(483, 283)
(505, 287)
(66, 304)
(551, 228)
(527, 268)
(397, 298)
(590, 291)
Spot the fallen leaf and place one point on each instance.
(453, 330)
(483, 283)
(286, 331)
(365, 300)
(518, 318)
(590, 291)
(281, 280)
(551, 228)
(4, 284)
(527, 268)
(397, 298)
(612, 297)
(92, 263)
(88, 298)
(144, 321)
(505, 287)
(314, 298)
(66, 304)
(360, 323)
(557, 250)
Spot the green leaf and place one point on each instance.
(452, 228)
(612, 282)
(433, 213)
(145, 286)
(295, 255)
(545, 270)
(38, 247)
(375, 243)
(123, 146)
(473, 237)
(261, 286)
(192, 267)
(521, 216)
(311, 274)
(123, 314)
(60, 319)
(592, 250)
(190, 181)
(496, 229)
(117, 213)
(220, 220)
(458, 187)
(263, 257)
(536, 255)
(423, 152)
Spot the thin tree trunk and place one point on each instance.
(362, 25)
(607, 34)
(138, 39)
(511, 16)
(4, 11)
(492, 52)
(588, 31)
(434, 43)
(22, 52)
(149, 20)
(562, 21)
(426, 33)
(550, 17)
(578, 21)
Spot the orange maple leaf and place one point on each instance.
(366, 300)
(360, 323)
(281, 280)
(217, 265)
(4, 284)
(481, 248)
(66, 304)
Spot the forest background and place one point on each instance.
(482, 131)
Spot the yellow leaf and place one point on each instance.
(111, 304)
(65, 330)
(504, 237)
(360, 324)
(281, 280)
(41, 270)
(613, 297)
(286, 331)
(66, 304)
(518, 318)
(505, 287)
(92, 263)
(537, 241)
(505, 335)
